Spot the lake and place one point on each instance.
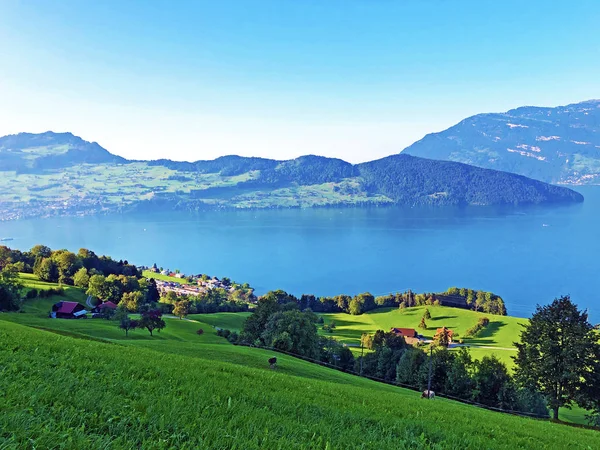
(527, 255)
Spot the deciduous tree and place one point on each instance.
(558, 353)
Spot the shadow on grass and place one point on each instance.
(435, 318)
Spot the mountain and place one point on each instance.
(556, 145)
(27, 152)
(54, 173)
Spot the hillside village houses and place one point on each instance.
(199, 283)
(410, 335)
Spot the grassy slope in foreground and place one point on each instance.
(73, 393)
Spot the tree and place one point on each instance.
(40, 250)
(558, 353)
(152, 320)
(442, 337)
(292, 331)
(427, 314)
(255, 324)
(491, 379)
(10, 289)
(423, 324)
(152, 294)
(182, 308)
(46, 270)
(97, 287)
(67, 263)
(81, 278)
(408, 368)
(131, 301)
(125, 323)
(366, 341)
(459, 382)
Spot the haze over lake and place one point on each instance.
(527, 255)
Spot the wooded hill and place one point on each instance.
(54, 173)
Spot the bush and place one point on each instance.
(476, 329)
(200, 331)
(233, 337)
(224, 333)
(32, 293)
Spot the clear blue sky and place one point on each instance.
(352, 79)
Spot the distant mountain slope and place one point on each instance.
(556, 145)
(60, 173)
(27, 152)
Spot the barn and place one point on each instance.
(68, 310)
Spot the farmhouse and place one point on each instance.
(410, 335)
(103, 306)
(68, 310)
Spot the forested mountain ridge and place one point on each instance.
(55, 173)
(555, 145)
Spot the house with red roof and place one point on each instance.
(410, 335)
(103, 306)
(68, 310)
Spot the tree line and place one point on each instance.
(463, 298)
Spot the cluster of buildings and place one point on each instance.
(199, 283)
(411, 336)
(75, 310)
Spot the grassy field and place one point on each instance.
(82, 384)
(497, 338)
(227, 320)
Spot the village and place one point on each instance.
(193, 284)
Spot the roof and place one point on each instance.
(67, 307)
(406, 332)
(107, 304)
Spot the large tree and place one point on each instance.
(10, 289)
(182, 308)
(557, 354)
(152, 320)
(292, 331)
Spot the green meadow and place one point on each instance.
(83, 384)
(497, 338)
(179, 389)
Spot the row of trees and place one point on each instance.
(211, 301)
(60, 266)
(361, 303)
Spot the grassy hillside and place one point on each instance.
(497, 338)
(181, 390)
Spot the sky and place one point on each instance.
(357, 80)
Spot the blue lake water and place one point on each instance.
(527, 255)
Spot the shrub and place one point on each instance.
(200, 331)
(32, 293)
(476, 329)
